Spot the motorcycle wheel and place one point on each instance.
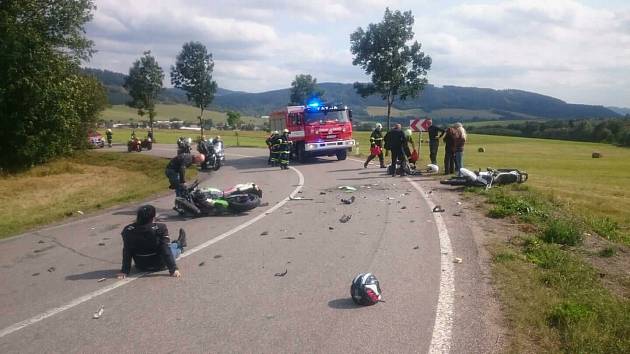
(187, 207)
(217, 165)
(243, 202)
(128, 148)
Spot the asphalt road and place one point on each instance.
(229, 298)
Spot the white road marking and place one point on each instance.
(442, 328)
(44, 315)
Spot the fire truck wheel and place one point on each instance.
(301, 154)
(341, 155)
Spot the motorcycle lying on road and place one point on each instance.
(487, 178)
(211, 201)
(215, 155)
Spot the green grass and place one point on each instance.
(553, 298)
(167, 111)
(85, 182)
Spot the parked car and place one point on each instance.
(95, 140)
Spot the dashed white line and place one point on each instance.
(44, 315)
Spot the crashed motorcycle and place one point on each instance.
(215, 155)
(197, 201)
(487, 178)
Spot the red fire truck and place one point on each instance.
(316, 129)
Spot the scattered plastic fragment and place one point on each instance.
(322, 193)
(281, 274)
(299, 198)
(348, 201)
(217, 256)
(417, 247)
(41, 241)
(288, 238)
(98, 313)
(79, 212)
(391, 198)
(35, 274)
(459, 203)
(438, 209)
(348, 189)
(458, 260)
(289, 212)
(201, 264)
(457, 214)
(101, 243)
(345, 218)
(403, 207)
(264, 233)
(101, 280)
(330, 228)
(362, 233)
(51, 269)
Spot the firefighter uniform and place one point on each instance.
(376, 139)
(270, 141)
(284, 150)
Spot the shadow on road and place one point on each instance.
(345, 303)
(97, 274)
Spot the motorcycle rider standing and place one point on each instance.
(284, 149)
(176, 170)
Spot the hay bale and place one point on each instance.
(596, 155)
(481, 150)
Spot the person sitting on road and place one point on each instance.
(176, 170)
(148, 244)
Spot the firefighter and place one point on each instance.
(109, 137)
(284, 149)
(376, 146)
(270, 145)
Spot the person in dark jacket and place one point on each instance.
(449, 150)
(435, 133)
(394, 141)
(176, 170)
(376, 139)
(148, 245)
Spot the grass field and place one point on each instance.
(167, 111)
(86, 182)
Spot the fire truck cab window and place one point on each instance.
(296, 119)
(324, 116)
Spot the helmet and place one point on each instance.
(433, 168)
(379, 126)
(218, 137)
(365, 289)
(109, 130)
(286, 131)
(407, 133)
(275, 132)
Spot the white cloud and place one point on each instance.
(565, 48)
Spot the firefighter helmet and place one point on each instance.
(365, 289)
(286, 131)
(407, 133)
(379, 126)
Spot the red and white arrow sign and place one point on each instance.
(419, 125)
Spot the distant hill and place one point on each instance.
(456, 102)
(620, 110)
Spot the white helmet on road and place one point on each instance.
(433, 168)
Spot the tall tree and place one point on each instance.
(397, 69)
(46, 105)
(144, 83)
(233, 119)
(303, 88)
(193, 73)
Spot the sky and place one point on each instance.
(577, 51)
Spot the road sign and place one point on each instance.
(419, 124)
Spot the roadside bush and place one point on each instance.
(563, 232)
(506, 205)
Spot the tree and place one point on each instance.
(303, 88)
(144, 83)
(397, 69)
(46, 104)
(193, 73)
(233, 119)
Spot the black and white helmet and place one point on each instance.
(365, 289)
